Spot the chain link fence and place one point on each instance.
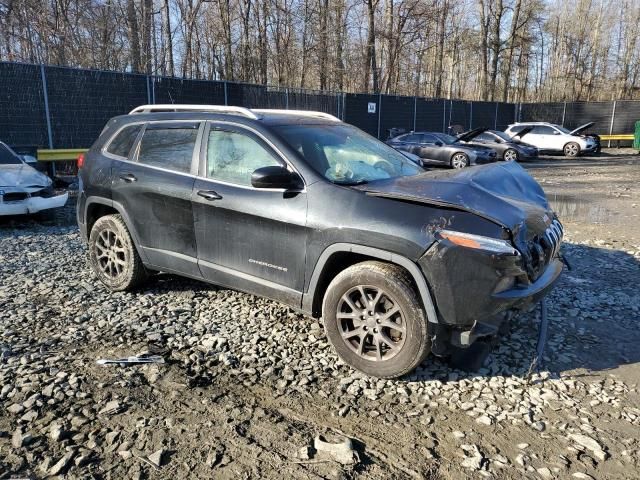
(61, 107)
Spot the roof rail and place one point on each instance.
(194, 108)
(250, 113)
(302, 113)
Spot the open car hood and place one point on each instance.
(501, 192)
(22, 177)
(582, 128)
(471, 134)
(522, 133)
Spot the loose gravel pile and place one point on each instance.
(247, 384)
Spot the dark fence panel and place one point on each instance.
(256, 96)
(506, 115)
(81, 102)
(483, 114)
(397, 112)
(459, 115)
(542, 112)
(627, 114)
(300, 99)
(431, 115)
(176, 90)
(356, 112)
(579, 113)
(23, 119)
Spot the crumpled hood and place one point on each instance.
(22, 178)
(501, 192)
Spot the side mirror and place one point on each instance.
(555, 132)
(276, 177)
(438, 143)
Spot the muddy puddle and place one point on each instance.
(569, 207)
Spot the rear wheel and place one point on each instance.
(113, 256)
(571, 149)
(375, 321)
(510, 155)
(459, 160)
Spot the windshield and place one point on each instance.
(7, 157)
(345, 154)
(502, 135)
(444, 138)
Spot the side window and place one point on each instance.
(426, 138)
(232, 157)
(123, 141)
(542, 130)
(517, 129)
(484, 137)
(411, 138)
(169, 147)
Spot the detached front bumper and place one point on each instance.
(33, 204)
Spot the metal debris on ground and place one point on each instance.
(133, 360)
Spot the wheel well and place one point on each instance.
(95, 211)
(338, 262)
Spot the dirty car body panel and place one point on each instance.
(284, 244)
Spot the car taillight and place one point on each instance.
(80, 161)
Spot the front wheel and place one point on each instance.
(459, 160)
(113, 256)
(510, 155)
(571, 149)
(374, 320)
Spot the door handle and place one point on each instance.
(209, 195)
(128, 177)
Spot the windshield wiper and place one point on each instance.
(350, 184)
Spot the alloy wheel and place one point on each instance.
(510, 155)
(371, 323)
(110, 253)
(571, 150)
(459, 160)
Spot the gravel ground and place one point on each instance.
(251, 389)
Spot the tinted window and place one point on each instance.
(517, 128)
(7, 157)
(427, 138)
(484, 137)
(542, 130)
(232, 157)
(168, 147)
(122, 143)
(412, 138)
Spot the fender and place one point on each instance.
(411, 267)
(120, 209)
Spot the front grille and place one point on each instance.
(14, 196)
(544, 247)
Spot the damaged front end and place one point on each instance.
(481, 272)
(21, 201)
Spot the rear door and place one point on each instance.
(248, 238)
(541, 136)
(428, 149)
(154, 189)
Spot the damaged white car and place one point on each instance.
(23, 189)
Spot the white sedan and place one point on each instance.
(23, 189)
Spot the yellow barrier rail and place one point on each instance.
(60, 155)
(623, 136)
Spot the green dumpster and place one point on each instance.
(636, 137)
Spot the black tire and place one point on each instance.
(113, 256)
(571, 149)
(371, 333)
(510, 155)
(459, 160)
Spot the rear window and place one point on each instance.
(169, 147)
(123, 141)
(7, 157)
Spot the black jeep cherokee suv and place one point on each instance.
(314, 213)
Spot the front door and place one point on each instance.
(155, 190)
(248, 238)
